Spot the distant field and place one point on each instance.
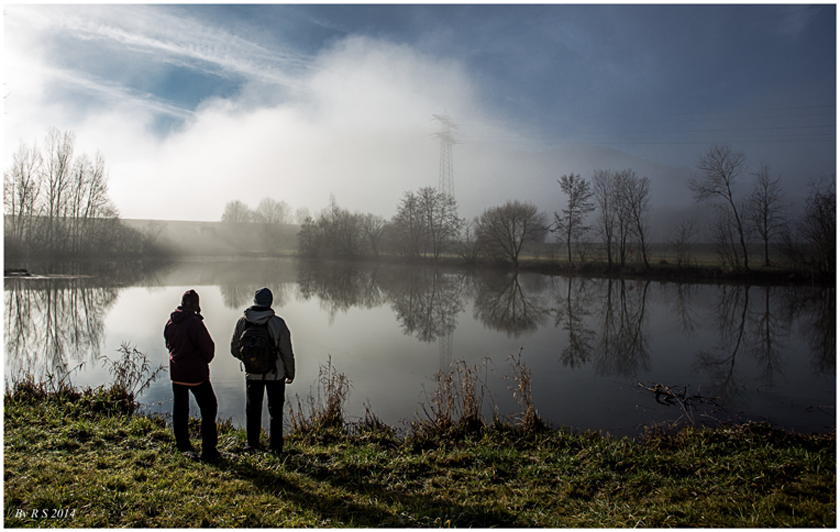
(221, 239)
(217, 238)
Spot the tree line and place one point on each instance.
(267, 211)
(425, 226)
(605, 218)
(762, 215)
(56, 204)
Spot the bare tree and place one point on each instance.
(56, 178)
(271, 211)
(341, 231)
(88, 200)
(725, 237)
(408, 230)
(440, 213)
(506, 230)
(818, 226)
(236, 212)
(57, 203)
(721, 167)
(623, 205)
(636, 202)
(570, 222)
(21, 190)
(683, 237)
(373, 231)
(606, 197)
(308, 238)
(624, 225)
(466, 244)
(766, 212)
(335, 233)
(301, 214)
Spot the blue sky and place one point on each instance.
(194, 105)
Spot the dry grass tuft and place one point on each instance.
(529, 419)
(457, 401)
(325, 410)
(132, 372)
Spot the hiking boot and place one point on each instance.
(251, 448)
(192, 455)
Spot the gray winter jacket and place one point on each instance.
(282, 338)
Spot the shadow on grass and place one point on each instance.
(387, 506)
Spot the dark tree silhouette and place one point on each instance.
(766, 212)
(570, 222)
(720, 168)
(505, 231)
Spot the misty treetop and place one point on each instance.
(762, 215)
(268, 211)
(505, 231)
(56, 204)
(570, 222)
(602, 219)
(623, 202)
(425, 223)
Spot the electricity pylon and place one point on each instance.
(446, 186)
(447, 180)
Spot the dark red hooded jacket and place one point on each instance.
(190, 347)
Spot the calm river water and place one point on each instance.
(762, 353)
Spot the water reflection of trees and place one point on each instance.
(340, 286)
(816, 312)
(241, 296)
(621, 345)
(681, 297)
(731, 323)
(819, 326)
(768, 334)
(239, 279)
(752, 323)
(426, 301)
(53, 325)
(505, 303)
(623, 348)
(573, 303)
(606, 320)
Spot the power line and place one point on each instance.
(780, 132)
(634, 142)
(682, 114)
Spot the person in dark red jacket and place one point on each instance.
(190, 351)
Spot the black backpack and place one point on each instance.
(256, 348)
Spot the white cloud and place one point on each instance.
(360, 124)
(363, 132)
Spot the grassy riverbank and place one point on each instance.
(84, 459)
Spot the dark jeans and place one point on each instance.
(206, 400)
(276, 392)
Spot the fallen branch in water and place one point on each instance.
(676, 395)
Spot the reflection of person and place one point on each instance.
(190, 351)
(272, 383)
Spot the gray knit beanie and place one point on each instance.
(263, 297)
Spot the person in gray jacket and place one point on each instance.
(273, 383)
